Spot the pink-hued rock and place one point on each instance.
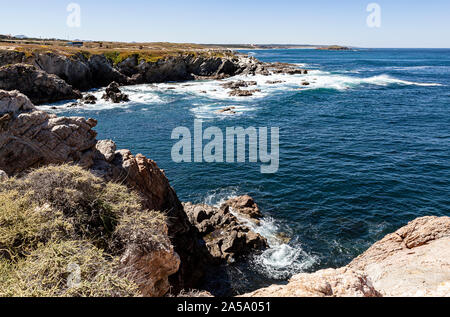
(414, 261)
(343, 282)
(244, 205)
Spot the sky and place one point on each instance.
(403, 23)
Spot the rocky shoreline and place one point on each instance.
(414, 261)
(203, 239)
(47, 77)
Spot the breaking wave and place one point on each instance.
(284, 258)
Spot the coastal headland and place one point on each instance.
(69, 201)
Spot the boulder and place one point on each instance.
(106, 150)
(38, 85)
(89, 99)
(244, 205)
(226, 239)
(114, 94)
(150, 269)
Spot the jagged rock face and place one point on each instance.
(225, 238)
(414, 261)
(30, 138)
(144, 176)
(10, 57)
(103, 72)
(38, 85)
(74, 70)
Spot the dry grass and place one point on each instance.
(116, 51)
(59, 215)
(66, 269)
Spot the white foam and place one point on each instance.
(212, 90)
(281, 260)
(139, 94)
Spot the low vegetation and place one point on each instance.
(58, 221)
(115, 51)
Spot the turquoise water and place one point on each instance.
(363, 150)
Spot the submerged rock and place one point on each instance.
(243, 93)
(228, 110)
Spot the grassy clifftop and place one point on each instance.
(116, 51)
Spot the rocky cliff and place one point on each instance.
(414, 261)
(30, 138)
(48, 76)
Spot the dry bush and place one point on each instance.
(24, 225)
(45, 215)
(52, 271)
(143, 231)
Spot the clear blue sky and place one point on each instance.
(405, 23)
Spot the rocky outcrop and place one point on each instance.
(245, 206)
(225, 237)
(114, 94)
(75, 71)
(326, 283)
(243, 93)
(89, 99)
(38, 85)
(414, 261)
(85, 71)
(151, 270)
(30, 138)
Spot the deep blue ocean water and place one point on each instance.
(363, 150)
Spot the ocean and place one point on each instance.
(364, 149)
